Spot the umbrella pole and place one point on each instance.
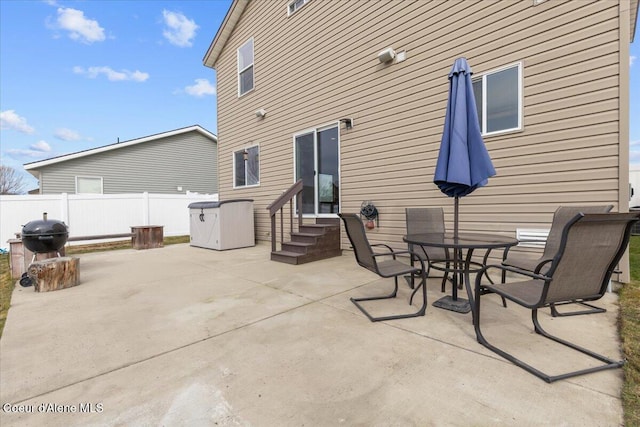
(452, 302)
(456, 255)
(455, 217)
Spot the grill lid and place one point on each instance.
(44, 235)
(44, 226)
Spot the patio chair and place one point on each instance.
(427, 220)
(590, 247)
(561, 217)
(367, 258)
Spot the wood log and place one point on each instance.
(54, 273)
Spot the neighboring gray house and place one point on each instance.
(171, 162)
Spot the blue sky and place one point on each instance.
(81, 74)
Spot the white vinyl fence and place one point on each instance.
(97, 214)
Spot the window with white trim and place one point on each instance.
(498, 96)
(295, 5)
(89, 185)
(246, 167)
(245, 67)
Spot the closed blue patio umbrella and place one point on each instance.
(463, 161)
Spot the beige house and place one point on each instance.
(304, 92)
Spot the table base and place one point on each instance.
(458, 305)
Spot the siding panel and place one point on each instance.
(319, 65)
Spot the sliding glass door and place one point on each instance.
(317, 164)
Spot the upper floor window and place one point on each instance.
(246, 167)
(498, 96)
(245, 67)
(296, 5)
(88, 185)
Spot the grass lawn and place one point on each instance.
(629, 321)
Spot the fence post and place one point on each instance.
(145, 208)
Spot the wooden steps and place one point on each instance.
(312, 242)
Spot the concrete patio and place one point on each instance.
(195, 337)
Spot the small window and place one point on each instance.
(245, 68)
(498, 96)
(246, 167)
(88, 185)
(295, 5)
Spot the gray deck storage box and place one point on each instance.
(222, 225)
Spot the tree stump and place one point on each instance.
(54, 273)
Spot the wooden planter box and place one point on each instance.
(147, 236)
(20, 257)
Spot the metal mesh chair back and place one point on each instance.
(426, 220)
(593, 245)
(561, 217)
(358, 238)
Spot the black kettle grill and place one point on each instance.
(42, 236)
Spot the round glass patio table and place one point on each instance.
(462, 244)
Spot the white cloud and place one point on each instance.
(39, 150)
(632, 59)
(79, 27)
(67, 134)
(10, 120)
(202, 88)
(180, 30)
(111, 74)
(41, 146)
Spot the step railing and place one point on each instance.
(295, 191)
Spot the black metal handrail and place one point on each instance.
(278, 205)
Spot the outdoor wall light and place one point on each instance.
(348, 123)
(261, 113)
(386, 55)
(245, 155)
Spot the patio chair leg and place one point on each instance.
(592, 309)
(609, 363)
(411, 278)
(421, 311)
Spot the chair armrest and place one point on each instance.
(531, 274)
(389, 248)
(542, 264)
(394, 253)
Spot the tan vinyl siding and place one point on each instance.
(320, 65)
(188, 160)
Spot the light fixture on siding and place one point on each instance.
(386, 55)
(261, 113)
(245, 155)
(348, 123)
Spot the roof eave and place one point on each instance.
(224, 32)
(65, 157)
